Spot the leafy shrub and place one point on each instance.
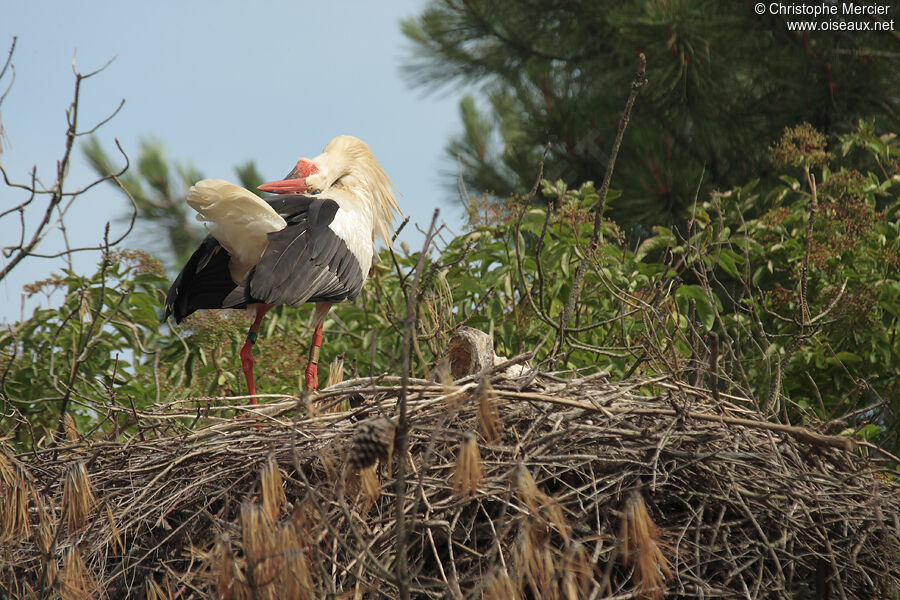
(790, 290)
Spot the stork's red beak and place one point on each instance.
(294, 182)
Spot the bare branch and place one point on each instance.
(59, 201)
(597, 235)
(104, 121)
(402, 443)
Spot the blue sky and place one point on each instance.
(218, 83)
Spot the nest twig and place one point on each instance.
(640, 488)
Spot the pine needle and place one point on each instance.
(115, 535)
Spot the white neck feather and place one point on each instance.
(356, 180)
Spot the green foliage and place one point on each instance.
(828, 353)
(818, 348)
(88, 351)
(722, 84)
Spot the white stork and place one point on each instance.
(313, 242)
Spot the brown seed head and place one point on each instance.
(335, 371)
(257, 536)
(222, 567)
(535, 566)
(577, 572)
(371, 487)
(294, 579)
(499, 587)
(71, 430)
(541, 507)
(13, 502)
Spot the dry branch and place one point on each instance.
(741, 506)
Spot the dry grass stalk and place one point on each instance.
(639, 537)
(535, 566)
(541, 506)
(75, 582)
(154, 591)
(257, 537)
(72, 434)
(335, 372)
(273, 498)
(499, 587)
(14, 524)
(488, 413)
(78, 497)
(371, 487)
(468, 473)
(114, 533)
(294, 579)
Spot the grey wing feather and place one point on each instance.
(306, 261)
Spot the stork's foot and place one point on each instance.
(312, 364)
(247, 367)
(312, 376)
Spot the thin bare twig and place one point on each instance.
(597, 235)
(402, 434)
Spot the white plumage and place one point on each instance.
(314, 242)
(239, 219)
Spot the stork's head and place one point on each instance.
(346, 165)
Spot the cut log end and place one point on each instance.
(469, 352)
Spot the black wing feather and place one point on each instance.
(304, 262)
(204, 282)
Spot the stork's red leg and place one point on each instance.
(247, 350)
(312, 365)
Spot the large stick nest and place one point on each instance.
(584, 489)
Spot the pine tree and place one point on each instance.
(723, 84)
